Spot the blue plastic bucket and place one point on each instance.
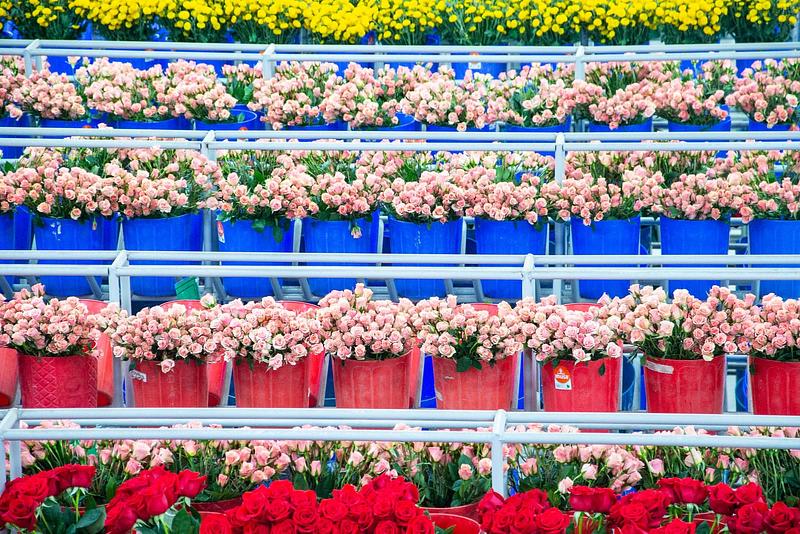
(628, 384)
(410, 64)
(479, 67)
(605, 238)
(23, 229)
(406, 123)
(13, 152)
(61, 65)
(415, 238)
(721, 126)
(240, 236)
(8, 239)
(165, 124)
(776, 237)
(507, 237)
(67, 234)
(181, 233)
(644, 127)
(564, 127)
(693, 237)
(428, 397)
(742, 397)
(755, 126)
(56, 123)
(246, 120)
(337, 126)
(336, 237)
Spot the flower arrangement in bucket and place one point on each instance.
(767, 95)
(73, 196)
(168, 350)
(34, 503)
(532, 98)
(370, 99)
(579, 352)
(55, 341)
(689, 102)
(475, 352)
(240, 81)
(371, 344)
(445, 104)
(294, 95)
(683, 343)
(50, 96)
(198, 95)
(275, 352)
(126, 94)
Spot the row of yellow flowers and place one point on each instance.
(467, 22)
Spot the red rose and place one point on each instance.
(491, 501)
(305, 518)
(524, 523)
(150, 502)
(81, 476)
(675, 527)
(303, 498)
(190, 484)
(405, 511)
(684, 490)
(256, 528)
(781, 518)
(535, 500)
(487, 519)
(630, 513)
(21, 512)
(503, 519)
(749, 519)
(793, 530)
(592, 500)
(421, 525)
(362, 513)
(629, 528)
(387, 527)
(348, 495)
(324, 526)
(120, 519)
(333, 510)
(282, 527)
(348, 526)
(253, 507)
(749, 493)
(38, 487)
(722, 499)
(277, 511)
(215, 524)
(382, 506)
(552, 521)
(655, 502)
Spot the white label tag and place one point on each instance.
(474, 65)
(137, 375)
(220, 232)
(658, 367)
(562, 379)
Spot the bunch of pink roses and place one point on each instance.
(771, 329)
(240, 81)
(53, 184)
(688, 328)
(124, 92)
(163, 335)
(354, 326)
(197, 93)
(765, 94)
(493, 191)
(166, 183)
(50, 96)
(51, 328)
(470, 336)
(294, 95)
(553, 332)
(594, 198)
(443, 101)
(436, 196)
(265, 332)
(687, 102)
(531, 98)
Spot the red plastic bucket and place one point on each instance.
(8, 376)
(572, 386)
(216, 370)
(58, 382)
(460, 524)
(372, 384)
(315, 375)
(684, 386)
(105, 358)
(775, 387)
(289, 386)
(185, 386)
(490, 388)
(581, 306)
(468, 510)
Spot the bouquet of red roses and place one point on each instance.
(155, 501)
(27, 499)
(524, 513)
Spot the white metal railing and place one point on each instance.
(495, 428)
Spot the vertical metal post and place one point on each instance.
(498, 460)
(559, 172)
(530, 376)
(580, 66)
(268, 62)
(115, 297)
(208, 221)
(9, 421)
(28, 58)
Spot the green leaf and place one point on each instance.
(300, 482)
(602, 369)
(184, 522)
(92, 521)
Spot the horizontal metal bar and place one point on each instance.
(655, 440)
(325, 271)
